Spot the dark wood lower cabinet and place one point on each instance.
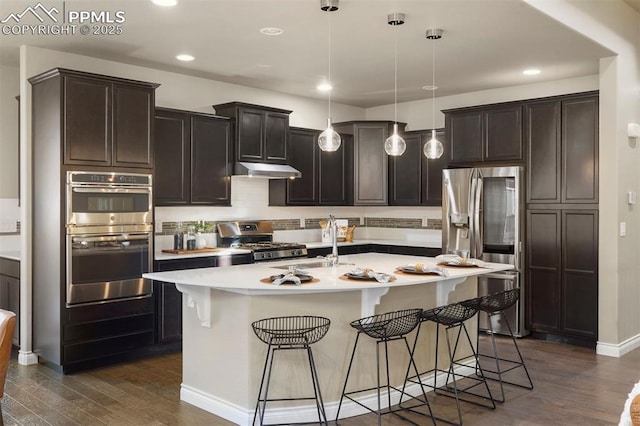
(562, 274)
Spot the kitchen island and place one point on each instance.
(223, 359)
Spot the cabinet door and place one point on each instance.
(432, 172)
(580, 150)
(580, 272)
(370, 164)
(132, 125)
(251, 126)
(542, 128)
(303, 153)
(87, 121)
(210, 161)
(275, 137)
(172, 158)
(464, 133)
(544, 273)
(405, 176)
(503, 133)
(334, 174)
(169, 312)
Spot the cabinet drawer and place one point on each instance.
(108, 328)
(106, 347)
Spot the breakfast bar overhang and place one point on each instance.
(223, 359)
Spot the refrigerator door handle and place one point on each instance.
(472, 209)
(478, 232)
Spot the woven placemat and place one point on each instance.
(354, 280)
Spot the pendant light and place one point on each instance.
(433, 149)
(329, 140)
(395, 145)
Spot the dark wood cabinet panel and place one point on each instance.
(335, 183)
(210, 160)
(562, 273)
(405, 173)
(543, 269)
(276, 136)
(370, 164)
(580, 150)
(464, 134)
(193, 158)
(172, 157)
(542, 127)
(169, 317)
(503, 133)
(86, 121)
(10, 299)
(432, 178)
(580, 272)
(413, 178)
(250, 144)
(303, 156)
(261, 132)
(133, 109)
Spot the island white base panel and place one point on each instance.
(223, 363)
(309, 413)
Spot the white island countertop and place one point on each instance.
(245, 279)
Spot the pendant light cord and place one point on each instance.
(433, 83)
(395, 77)
(330, 83)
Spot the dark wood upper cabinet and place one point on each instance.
(370, 162)
(562, 149)
(106, 121)
(261, 133)
(335, 175)
(491, 133)
(580, 150)
(172, 144)
(211, 160)
(542, 124)
(133, 108)
(193, 154)
(413, 178)
(503, 133)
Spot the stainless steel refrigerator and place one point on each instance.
(483, 218)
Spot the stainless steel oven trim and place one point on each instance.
(144, 286)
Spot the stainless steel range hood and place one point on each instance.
(264, 170)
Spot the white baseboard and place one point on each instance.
(618, 350)
(306, 413)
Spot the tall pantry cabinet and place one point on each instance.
(562, 218)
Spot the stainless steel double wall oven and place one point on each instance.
(109, 236)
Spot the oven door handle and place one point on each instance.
(112, 190)
(122, 237)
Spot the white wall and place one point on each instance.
(9, 89)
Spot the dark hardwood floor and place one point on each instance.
(573, 386)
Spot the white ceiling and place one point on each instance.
(486, 44)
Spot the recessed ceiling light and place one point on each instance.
(531, 71)
(165, 3)
(324, 87)
(272, 31)
(185, 57)
(430, 88)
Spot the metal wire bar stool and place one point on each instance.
(495, 305)
(289, 333)
(385, 328)
(453, 317)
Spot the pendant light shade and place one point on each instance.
(395, 145)
(433, 149)
(329, 140)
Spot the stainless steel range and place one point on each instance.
(257, 236)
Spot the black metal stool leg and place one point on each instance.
(344, 388)
(264, 372)
(316, 388)
(524, 366)
(496, 358)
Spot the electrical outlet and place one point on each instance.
(623, 229)
(302, 224)
(158, 226)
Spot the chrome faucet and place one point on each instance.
(332, 258)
